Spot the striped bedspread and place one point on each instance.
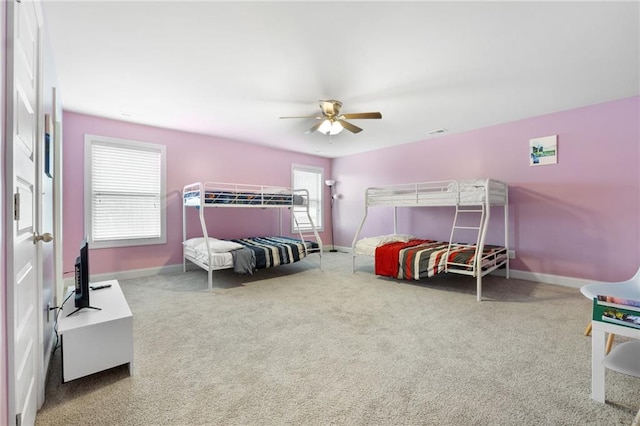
(418, 259)
(274, 251)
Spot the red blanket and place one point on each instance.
(428, 260)
(386, 263)
(424, 260)
(418, 259)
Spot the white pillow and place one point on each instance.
(216, 246)
(392, 238)
(384, 239)
(221, 246)
(405, 237)
(193, 242)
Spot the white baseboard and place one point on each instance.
(545, 278)
(133, 273)
(173, 269)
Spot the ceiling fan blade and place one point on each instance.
(314, 128)
(350, 127)
(305, 116)
(360, 115)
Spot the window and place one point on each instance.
(124, 192)
(309, 178)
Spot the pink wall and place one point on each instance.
(579, 218)
(190, 158)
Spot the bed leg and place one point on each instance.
(479, 287)
(210, 280)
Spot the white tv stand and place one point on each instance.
(96, 340)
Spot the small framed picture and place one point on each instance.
(543, 151)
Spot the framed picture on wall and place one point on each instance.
(543, 151)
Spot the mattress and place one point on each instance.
(218, 260)
(269, 251)
(247, 198)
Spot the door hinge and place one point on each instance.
(19, 419)
(16, 206)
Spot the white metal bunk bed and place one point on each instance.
(212, 254)
(469, 197)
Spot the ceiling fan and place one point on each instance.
(333, 122)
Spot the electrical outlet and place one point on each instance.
(512, 254)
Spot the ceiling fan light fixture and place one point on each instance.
(329, 127)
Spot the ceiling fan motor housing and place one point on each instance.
(330, 108)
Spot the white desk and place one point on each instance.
(94, 340)
(598, 353)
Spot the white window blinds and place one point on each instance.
(126, 181)
(310, 178)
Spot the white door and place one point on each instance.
(24, 23)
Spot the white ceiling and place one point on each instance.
(231, 69)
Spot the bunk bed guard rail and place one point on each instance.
(444, 193)
(234, 194)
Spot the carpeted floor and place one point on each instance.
(296, 345)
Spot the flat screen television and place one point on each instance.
(82, 278)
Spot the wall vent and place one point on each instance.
(437, 131)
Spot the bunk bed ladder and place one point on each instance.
(307, 229)
(460, 211)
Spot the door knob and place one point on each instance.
(46, 237)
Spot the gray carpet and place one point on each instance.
(296, 345)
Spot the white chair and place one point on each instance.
(629, 289)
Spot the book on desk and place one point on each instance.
(617, 310)
(618, 302)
